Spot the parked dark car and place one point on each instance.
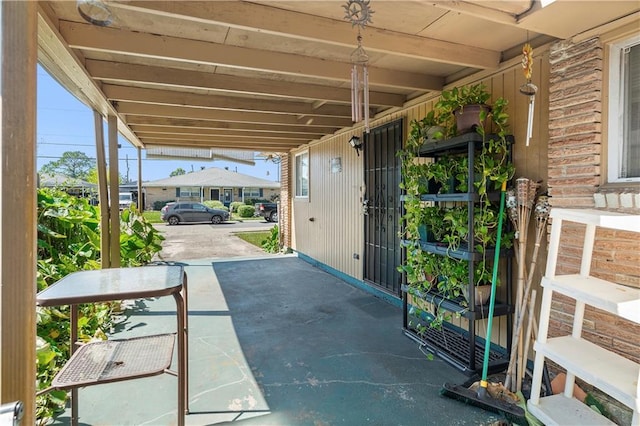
(183, 212)
(267, 210)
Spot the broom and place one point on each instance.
(481, 397)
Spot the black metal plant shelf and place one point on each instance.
(459, 196)
(458, 143)
(461, 253)
(453, 348)
(460, 348)
(459, 305)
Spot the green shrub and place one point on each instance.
(234, 205)
(215, 204)
(68, 241)
(254, 201)
(272, 243)
(246, 211)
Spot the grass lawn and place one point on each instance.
(254, 237)
(152, 216)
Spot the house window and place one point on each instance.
(624, 111)
(187, 192)
(252, 193)
(302, 175)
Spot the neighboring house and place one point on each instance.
(73, 186)
(210, 184)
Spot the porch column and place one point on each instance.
(18, 50)
(140, 200)
(114, 188)
(103, 193)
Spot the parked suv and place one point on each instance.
(183, 212)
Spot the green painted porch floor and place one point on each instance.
(277, 341)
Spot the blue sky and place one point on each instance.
(66, 124)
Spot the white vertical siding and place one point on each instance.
(334, 202)
(328, 226)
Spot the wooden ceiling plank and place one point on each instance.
(143, 120)
(204, 137)
(266, 19)
(85, 36)
(223, 115)
(161, 130)
(477, 9)
(122, 72)
(226, 144)
(172, 97)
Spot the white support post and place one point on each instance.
(554, 243)
(587, 250)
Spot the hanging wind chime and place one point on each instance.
(529, 89)
(359, 13)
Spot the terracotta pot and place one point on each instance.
(481, 295)
(468, 117)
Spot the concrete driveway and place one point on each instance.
(204, 240)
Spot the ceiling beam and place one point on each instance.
(209, 138)
(477, 9)
(172, 97)
(271, 20)
(122, 72)
(224, 115)
(231, 135)
(160, 130)
(90, 37)
(227, 144)
(142, 120)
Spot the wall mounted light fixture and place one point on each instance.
(356, 144)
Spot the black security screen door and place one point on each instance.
(382, 195)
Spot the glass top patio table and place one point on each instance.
(114, 360)
(112, 284)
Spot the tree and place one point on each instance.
(92, 176)
(73, 164)
(177, 172)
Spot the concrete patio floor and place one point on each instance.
(277, 341)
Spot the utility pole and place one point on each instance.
(127, 163)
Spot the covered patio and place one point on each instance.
(274, 77)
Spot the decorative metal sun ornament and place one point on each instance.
(359, 14)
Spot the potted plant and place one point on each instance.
(442, 173)
(466, 105)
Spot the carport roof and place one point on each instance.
(272, 76)
(214, 177)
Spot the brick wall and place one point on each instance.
(575, 122)
(285, 202)
(575, 155)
